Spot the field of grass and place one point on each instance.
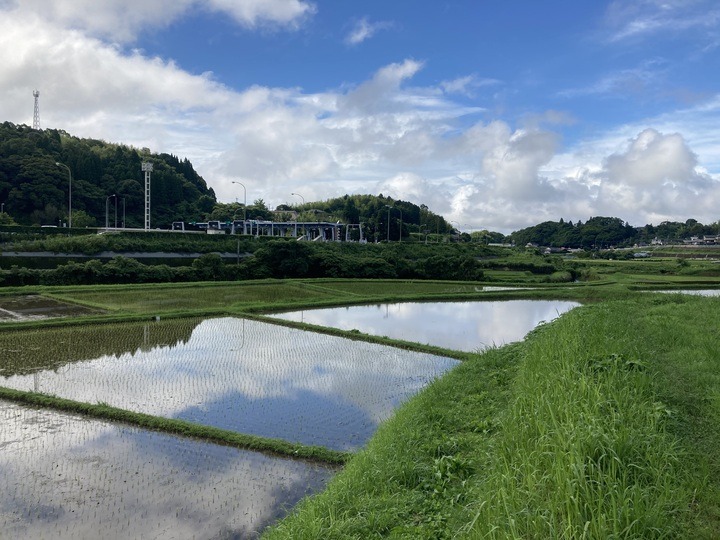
(603, 424)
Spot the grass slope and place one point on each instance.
(603, 424)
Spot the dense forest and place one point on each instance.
(34, 188)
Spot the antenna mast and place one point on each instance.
(147, 168)
(36, 114)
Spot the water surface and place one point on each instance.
(463, 326)
(231, 373)
(694, 292)
(64, 476)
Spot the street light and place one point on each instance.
(303, 200)
(107, 203)
(69, 192)
(298, 195)
(244, 204)
(388, 227)
(400, 233)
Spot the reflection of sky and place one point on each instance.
(464, 326)
(694, 292)
(254, 378)
(63, 476)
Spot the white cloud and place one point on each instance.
(467, 85)
(646, 177)
(363, 30)
(637, 19)
(642, 80)
(381, 134)
(122, 20)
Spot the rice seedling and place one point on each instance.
(243, 376)
(66, 477)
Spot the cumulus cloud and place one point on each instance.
(654, 160)
(381, 134)
(122, 20)
(657, 175)
(648, 177)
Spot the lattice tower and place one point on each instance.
(36, 113)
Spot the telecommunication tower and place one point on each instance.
(36, 114)
(147, 168)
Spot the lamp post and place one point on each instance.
(298, 195)
(244, 204)
(388, 223)
(57, 163)
(400, 233)
(123, 221)
(303, 200)
(107, 205)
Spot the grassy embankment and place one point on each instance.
(604, 424)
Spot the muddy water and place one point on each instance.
(31, 306)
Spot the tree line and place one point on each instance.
(608, 232)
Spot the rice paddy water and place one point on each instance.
(67, 476)
(462, 326)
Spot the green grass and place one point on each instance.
(603, 424)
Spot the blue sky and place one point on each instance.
(498, 115)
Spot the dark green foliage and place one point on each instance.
(606, 232)
(35, 189)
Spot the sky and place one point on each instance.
(495, 114)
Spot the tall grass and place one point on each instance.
(583, 452)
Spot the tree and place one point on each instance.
(6, 219)
(83, 219)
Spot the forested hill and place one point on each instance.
(34, 190)
(605, 232)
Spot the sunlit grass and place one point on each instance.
(603, 424)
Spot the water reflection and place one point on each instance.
(694, 292)
(252, 377)
(63, 476)
(51, 348)
(465, 326)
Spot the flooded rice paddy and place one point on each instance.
(463, 326)
(32, 307)
(64, 476)
(245, 376)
